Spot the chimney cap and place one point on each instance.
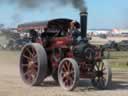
(83, 13)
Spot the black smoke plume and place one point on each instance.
(30, 5)
(35, 4)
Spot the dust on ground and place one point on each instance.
(12, 85)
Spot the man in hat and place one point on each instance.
(74, 31)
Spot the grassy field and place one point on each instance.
(119, 60)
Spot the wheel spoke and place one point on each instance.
(98, 79)
(104, 69)
(24, 65)
(66, 65)
(29, 78)
(27, 57)
(33, 51)
(64, 68)
(64, 76)
(27, 73)
(71, 80)
(30, 53)
(97, 67)
(102, 66)
(30, 71)
(103, 78)
(35, 57)
(34, 72)
(71, 72)
(66, 82)
(69, 64)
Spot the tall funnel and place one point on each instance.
(83, 21)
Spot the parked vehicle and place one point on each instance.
(111, 45)
(123, 45)
(117, 46)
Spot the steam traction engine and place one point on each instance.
(55, 52)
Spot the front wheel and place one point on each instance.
(103, 76)
(68, 74)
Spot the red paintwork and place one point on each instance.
(65, 43)
(61, 42)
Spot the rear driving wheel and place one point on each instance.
(103, 76)
(33, 64)
(68, 74)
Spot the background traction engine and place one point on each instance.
(65, 61)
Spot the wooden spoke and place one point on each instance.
(71, 72)
(27, 73)
(66, 82)
(68, 78)
(64, 76)
(35, 57)
(29, 78)
(69, 66)
(103, 78)
(30, 53)
(102, 67)
(66, 65)
(71, 80)
(34, 72)
(33, 76)
(33, 51)
(27, 57)
(64, 68)
(24, 65)
(97, 67)
(30, 73)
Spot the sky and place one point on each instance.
(104, 14)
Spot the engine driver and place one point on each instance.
(75, 32)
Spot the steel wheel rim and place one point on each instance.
(67, 74)
(29, 64)
(101, 74)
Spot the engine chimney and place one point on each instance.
(83, 21)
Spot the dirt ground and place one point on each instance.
(12, 85)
